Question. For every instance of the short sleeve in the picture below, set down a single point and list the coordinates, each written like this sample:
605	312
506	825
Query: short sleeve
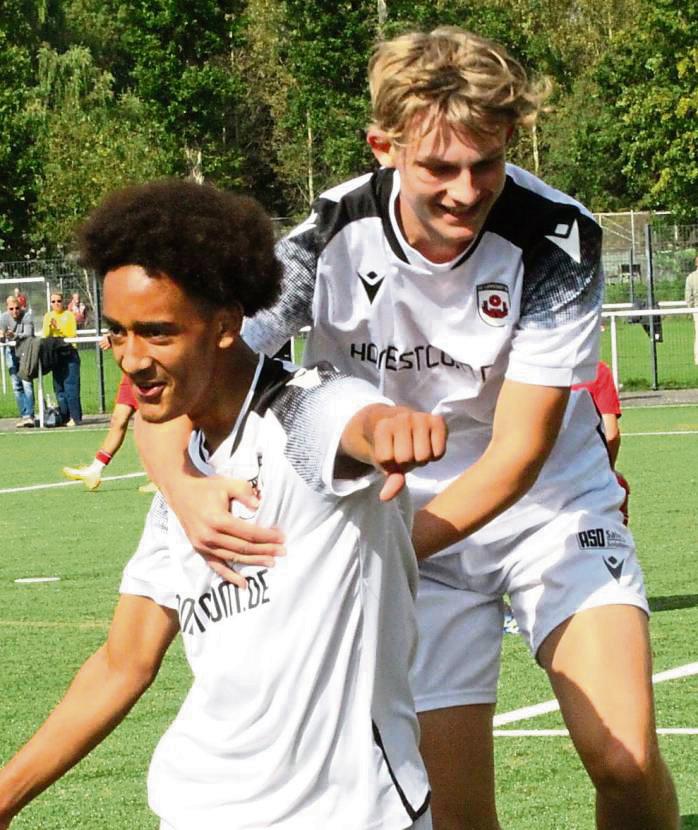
314	409
149	572
270	328
556	341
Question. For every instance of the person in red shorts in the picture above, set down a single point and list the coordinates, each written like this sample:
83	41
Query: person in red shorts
605	396
125	408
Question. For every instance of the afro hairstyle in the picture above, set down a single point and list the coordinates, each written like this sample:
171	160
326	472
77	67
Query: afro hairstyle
217	246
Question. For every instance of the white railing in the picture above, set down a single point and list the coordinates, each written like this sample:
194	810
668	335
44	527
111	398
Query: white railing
613	311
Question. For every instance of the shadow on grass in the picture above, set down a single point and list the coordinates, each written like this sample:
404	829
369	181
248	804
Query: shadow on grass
689	822
673	603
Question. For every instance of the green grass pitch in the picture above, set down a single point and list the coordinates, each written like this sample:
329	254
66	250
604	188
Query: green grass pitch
48	630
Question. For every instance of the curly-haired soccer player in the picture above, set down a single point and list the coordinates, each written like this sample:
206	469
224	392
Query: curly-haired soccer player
300	714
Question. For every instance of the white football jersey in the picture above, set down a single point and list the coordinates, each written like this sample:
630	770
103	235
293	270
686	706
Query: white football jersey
300	714
523	302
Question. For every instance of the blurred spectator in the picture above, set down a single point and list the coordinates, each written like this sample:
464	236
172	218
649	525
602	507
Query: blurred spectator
78	309
15	324
692	302
59	322
21	298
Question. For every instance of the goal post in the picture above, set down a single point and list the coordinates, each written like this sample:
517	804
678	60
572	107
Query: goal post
651	347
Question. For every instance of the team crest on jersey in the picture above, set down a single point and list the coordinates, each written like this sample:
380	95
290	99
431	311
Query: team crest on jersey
493	304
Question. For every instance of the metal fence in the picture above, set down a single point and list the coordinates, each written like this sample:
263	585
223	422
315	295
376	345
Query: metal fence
629	262
59	274
646	259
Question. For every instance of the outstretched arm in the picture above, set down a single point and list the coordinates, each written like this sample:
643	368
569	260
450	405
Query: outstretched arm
98	699
526	424
394	439
202	503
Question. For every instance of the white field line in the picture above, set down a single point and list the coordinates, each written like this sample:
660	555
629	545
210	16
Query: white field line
670	432
32	487
41	624
25	433
553	706
563	733
627	404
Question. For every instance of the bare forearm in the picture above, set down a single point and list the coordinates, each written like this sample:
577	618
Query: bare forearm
526	425
610	424
96	702
163	450
479	495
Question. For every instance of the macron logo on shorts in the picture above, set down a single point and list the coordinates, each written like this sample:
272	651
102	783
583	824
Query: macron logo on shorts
614	565
599	538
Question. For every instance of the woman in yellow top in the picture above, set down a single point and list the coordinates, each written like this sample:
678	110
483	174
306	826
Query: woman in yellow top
59	322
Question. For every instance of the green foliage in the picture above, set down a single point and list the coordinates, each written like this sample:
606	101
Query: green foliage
18	161
319	53
184	69
48	630
651	78
92	142
271	96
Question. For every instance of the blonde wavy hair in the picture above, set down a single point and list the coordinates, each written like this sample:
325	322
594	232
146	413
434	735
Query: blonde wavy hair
471	81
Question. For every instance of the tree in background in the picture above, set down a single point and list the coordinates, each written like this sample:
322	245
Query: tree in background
651	82
91	142
271	96
21	27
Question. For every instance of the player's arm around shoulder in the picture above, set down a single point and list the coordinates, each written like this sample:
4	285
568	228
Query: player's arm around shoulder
98	699
202	503
394	440
526	424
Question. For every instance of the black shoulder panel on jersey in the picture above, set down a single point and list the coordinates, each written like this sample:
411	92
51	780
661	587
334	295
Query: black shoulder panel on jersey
274	376
384	188
561	252
301	412
300	251
372	199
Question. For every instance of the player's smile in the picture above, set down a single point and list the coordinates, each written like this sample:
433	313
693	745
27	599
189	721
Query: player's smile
148	392
449	181
156	329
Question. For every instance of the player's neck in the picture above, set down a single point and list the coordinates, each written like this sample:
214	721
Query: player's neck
228	393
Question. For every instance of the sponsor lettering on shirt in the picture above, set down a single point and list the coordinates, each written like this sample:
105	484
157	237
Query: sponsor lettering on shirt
222	602
419	358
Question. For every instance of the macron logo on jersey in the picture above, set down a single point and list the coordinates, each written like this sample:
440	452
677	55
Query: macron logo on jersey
371	282
566	237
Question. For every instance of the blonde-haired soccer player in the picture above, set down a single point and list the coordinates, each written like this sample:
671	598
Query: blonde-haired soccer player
467	286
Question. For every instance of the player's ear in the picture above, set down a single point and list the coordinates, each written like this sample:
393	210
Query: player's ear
382	146
229	322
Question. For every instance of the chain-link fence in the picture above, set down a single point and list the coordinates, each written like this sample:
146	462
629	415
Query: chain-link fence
37	278
645	268
627	260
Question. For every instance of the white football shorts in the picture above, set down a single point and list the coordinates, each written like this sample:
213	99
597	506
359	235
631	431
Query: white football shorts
580	558
422	823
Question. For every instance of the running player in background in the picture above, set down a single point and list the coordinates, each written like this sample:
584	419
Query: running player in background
125	407
468	287
300	714
605	396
